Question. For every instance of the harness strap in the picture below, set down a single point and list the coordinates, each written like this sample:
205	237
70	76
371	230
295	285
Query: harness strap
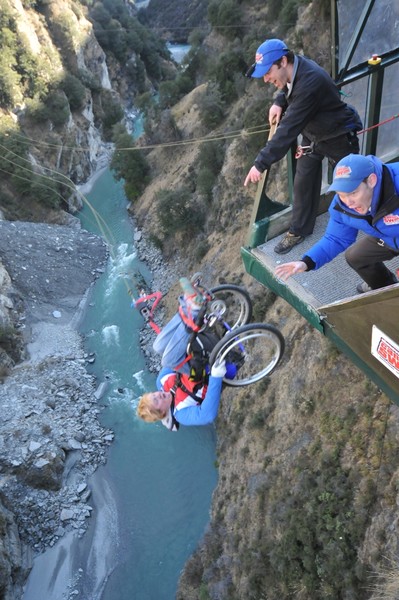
175	423
188	320
183	362
178	384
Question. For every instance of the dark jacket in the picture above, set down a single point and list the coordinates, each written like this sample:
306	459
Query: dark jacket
313	108
382	222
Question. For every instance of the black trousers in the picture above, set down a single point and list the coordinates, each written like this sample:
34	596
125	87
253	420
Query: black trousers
308	176
366	257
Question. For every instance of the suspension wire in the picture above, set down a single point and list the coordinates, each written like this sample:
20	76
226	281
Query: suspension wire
103	226
235	133
101	223
217	137
67	182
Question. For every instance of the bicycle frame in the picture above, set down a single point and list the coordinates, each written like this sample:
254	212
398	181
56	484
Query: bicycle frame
146	304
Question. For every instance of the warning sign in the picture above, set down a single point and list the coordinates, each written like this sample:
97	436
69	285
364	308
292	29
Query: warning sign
385	350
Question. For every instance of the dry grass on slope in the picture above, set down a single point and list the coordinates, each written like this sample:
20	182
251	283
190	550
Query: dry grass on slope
307	480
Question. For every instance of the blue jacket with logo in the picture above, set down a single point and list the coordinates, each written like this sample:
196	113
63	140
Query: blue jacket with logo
382	221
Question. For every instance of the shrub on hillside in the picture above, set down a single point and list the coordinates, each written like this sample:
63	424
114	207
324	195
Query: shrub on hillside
57	107
211	156
211	107
168	94
21	72
205	182
225	70
145	103
110	113
226	17
210	162
135	70
19	175
74	90
178	213
9	85
170	91
89	80
46	191
130	164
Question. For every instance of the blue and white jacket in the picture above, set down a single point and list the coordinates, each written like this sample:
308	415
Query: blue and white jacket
186	410
382	221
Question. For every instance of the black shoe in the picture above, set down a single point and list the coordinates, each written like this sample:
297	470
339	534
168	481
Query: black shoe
363	287
287	243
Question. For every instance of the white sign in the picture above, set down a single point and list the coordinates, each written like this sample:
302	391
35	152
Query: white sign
385	350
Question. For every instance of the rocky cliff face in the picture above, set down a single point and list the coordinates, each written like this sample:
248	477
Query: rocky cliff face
80	149
67	96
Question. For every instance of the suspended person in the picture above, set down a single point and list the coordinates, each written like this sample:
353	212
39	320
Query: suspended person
183	401
367	200
310	104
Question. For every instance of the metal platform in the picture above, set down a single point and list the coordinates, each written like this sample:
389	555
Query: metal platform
334	282
327	298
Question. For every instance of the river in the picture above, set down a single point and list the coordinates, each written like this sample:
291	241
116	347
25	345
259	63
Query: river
152	497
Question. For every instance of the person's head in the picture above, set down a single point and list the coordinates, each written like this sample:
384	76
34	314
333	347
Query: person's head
354	181
274	63
154	406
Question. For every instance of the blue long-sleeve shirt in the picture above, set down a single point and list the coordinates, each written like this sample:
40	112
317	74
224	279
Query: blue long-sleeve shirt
194	413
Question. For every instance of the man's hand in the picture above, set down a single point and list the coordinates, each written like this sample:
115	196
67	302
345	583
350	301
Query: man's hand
287	269
253	176
275	113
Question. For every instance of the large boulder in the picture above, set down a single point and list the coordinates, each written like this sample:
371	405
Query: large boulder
15	558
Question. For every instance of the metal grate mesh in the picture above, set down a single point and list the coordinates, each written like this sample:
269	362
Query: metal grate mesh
334	281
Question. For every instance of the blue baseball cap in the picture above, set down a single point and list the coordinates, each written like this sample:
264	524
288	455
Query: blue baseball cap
350	172
266	55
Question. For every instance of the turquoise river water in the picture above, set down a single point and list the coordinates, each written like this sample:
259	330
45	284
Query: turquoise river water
152	497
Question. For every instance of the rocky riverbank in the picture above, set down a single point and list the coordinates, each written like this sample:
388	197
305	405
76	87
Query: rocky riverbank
51	439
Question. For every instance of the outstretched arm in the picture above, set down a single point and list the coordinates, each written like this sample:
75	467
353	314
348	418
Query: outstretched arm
288	269
205	413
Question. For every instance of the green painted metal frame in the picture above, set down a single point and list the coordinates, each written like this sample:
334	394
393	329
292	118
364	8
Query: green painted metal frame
256	269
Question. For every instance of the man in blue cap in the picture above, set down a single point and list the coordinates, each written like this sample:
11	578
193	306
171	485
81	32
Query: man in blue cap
367	200
311	104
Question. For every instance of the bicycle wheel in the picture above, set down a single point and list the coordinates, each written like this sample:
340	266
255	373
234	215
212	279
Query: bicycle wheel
255	349
233	303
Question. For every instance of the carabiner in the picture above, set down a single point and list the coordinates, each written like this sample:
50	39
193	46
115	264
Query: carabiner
303	150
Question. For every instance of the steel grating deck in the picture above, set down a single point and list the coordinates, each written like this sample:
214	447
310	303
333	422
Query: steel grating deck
334	281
